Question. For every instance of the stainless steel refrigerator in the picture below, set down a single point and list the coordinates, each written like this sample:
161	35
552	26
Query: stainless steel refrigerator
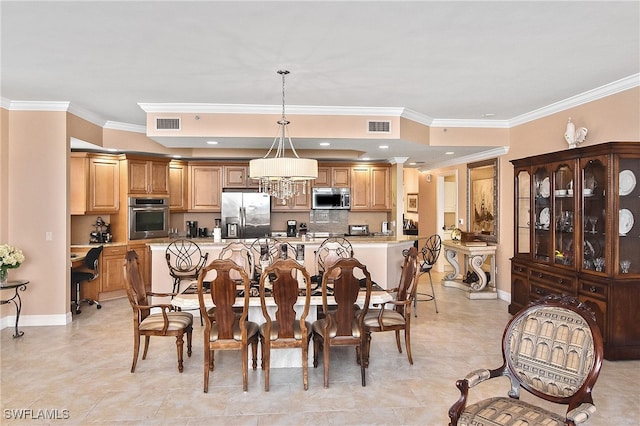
246	215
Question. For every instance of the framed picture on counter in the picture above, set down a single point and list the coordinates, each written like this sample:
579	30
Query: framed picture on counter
412	203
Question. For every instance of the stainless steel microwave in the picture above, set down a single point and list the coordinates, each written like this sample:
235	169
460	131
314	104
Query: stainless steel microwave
331	199
148	218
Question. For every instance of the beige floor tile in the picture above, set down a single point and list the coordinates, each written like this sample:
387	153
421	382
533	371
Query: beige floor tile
84	368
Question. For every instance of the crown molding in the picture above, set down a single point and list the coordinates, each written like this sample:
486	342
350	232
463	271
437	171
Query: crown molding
621	85
589	96
36	105
116	125
208	108
485	155
472	123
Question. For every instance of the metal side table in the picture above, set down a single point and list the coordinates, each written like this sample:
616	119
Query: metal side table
15	285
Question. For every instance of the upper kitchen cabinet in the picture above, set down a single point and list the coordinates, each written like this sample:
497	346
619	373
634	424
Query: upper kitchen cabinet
178	185
237	176
300	202
148	176
370	188
577	232
205	187
94	183
333	177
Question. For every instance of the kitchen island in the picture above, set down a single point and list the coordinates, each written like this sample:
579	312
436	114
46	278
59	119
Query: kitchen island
382	256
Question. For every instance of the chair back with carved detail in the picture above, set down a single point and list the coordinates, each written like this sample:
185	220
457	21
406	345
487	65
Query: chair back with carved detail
552	349
241	255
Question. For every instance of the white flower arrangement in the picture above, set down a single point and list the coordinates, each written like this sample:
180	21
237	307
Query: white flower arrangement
10	257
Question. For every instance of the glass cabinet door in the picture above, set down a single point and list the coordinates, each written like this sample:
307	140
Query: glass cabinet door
594	223
628	220
523	212
542	213
563	215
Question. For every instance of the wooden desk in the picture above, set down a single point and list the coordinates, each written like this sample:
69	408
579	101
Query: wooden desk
475	257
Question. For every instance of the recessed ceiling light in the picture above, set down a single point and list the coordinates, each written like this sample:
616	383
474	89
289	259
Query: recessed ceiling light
325	144
383	146
449	153
412	164
177	156
488	114
366	158
212	142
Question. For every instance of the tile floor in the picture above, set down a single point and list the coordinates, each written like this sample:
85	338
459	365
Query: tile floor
82	371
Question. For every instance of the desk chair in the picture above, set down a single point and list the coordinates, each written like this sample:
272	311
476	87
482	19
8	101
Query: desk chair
91	261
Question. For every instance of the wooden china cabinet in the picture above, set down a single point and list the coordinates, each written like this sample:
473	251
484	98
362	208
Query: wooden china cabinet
577	232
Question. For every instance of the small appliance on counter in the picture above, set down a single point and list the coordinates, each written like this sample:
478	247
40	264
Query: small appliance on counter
292	226
102	234
192	229
358	230
203	232
303	229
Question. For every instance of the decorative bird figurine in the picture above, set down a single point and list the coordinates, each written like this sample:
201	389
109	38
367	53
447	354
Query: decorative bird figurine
573	136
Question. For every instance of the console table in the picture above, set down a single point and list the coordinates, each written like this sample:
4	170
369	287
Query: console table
15	285
474	259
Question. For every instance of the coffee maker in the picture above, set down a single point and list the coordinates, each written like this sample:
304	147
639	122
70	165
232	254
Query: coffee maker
192	229
292	228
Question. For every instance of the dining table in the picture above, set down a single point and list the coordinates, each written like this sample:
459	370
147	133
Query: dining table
187	300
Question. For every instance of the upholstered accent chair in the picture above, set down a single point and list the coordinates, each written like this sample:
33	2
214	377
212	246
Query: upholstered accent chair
552	349
285	328
398	317
164	323
225	329
342	324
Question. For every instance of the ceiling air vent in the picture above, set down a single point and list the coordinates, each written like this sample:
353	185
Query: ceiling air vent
167	124
379	126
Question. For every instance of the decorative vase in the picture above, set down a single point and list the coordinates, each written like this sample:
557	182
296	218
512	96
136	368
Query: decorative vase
4	276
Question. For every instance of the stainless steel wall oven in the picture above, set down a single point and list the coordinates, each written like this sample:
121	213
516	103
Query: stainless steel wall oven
148	218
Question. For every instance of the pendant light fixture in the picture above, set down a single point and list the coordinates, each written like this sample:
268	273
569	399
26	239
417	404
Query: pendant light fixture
279	176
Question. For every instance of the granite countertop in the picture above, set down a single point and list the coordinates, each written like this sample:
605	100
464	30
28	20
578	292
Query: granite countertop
295	240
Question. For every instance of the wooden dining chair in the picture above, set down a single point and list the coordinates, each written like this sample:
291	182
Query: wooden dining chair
167	322
399	317
225	329
342	324
282	329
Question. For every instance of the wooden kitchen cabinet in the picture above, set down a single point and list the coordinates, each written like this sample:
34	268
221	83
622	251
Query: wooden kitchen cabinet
333	177
111	268
370	188
237	176
94	183
301	202
205	189
577	219
148	176
178	186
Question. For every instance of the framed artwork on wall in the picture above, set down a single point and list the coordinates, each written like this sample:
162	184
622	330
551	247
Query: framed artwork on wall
482	203
412	203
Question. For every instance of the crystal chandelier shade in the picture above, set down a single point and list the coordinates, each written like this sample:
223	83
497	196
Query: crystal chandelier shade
279	176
